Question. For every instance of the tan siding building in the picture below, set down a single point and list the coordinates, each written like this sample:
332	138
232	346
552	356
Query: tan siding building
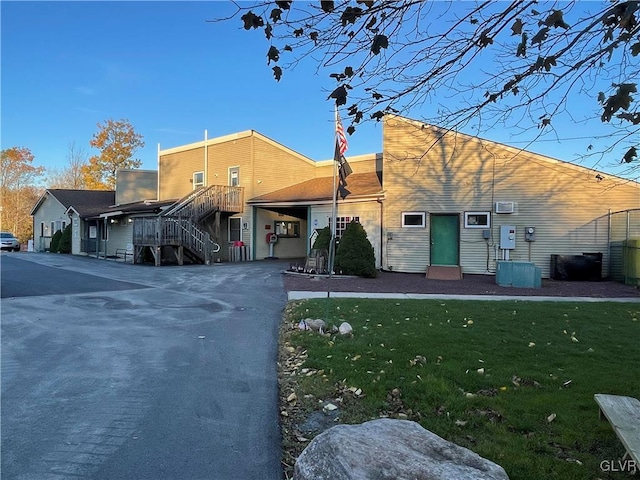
432	197
249	160
448	174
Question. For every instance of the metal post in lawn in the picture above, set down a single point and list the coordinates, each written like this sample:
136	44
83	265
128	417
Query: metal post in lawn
334	212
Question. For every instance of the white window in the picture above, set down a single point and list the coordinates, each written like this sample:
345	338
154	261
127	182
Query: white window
198	180
235	226
234	176
414	219
477	219
341	224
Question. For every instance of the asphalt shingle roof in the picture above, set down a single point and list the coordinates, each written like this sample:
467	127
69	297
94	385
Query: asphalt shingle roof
86	202
321	188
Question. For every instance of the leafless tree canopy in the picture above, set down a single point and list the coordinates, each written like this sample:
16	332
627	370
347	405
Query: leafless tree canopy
71	175
517	64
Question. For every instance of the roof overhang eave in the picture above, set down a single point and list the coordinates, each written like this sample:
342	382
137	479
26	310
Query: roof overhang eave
319	201
111	214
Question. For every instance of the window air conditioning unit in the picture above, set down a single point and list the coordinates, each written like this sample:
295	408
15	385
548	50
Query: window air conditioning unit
504	207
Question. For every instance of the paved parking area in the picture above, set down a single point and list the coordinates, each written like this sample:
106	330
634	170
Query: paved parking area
111	370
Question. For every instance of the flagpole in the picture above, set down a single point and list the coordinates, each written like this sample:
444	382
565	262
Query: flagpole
334	209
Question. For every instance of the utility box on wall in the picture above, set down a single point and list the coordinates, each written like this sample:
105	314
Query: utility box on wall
529	234
507	237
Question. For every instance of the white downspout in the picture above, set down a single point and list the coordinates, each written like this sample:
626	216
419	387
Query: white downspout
206	158
158	175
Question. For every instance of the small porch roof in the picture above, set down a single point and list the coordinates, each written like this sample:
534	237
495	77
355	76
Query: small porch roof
320	190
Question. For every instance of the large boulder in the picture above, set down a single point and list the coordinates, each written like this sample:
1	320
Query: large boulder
389	449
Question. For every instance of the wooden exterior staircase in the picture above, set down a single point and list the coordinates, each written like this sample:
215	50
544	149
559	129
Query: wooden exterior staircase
180	230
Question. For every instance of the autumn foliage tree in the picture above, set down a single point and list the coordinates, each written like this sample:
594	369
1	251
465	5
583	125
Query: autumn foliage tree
17	191
520	65
117	142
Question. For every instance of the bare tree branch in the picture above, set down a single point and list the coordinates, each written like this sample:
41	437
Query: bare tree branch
520	64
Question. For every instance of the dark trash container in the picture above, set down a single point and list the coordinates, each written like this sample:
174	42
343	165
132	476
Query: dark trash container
585	267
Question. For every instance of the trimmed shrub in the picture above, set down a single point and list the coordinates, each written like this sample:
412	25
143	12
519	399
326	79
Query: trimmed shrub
55	241
355	255
64	246
323	239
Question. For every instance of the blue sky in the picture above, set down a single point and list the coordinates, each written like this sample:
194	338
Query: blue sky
68	65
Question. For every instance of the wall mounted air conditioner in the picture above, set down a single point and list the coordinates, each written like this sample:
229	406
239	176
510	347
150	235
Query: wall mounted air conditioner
505	207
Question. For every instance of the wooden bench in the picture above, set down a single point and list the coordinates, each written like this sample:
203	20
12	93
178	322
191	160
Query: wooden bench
623	413
124	252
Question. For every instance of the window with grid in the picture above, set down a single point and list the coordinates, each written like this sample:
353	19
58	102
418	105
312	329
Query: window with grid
341	224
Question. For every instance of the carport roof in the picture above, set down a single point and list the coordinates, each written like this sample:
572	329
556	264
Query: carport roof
321	189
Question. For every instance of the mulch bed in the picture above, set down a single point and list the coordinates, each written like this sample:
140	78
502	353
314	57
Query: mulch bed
394	282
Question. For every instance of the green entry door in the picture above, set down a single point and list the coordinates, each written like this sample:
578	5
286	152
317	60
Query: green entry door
445	242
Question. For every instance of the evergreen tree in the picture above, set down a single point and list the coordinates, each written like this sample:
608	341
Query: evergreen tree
355	255
55	241
64	246
323	240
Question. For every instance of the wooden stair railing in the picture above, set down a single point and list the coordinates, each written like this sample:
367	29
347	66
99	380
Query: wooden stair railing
204	201
178	226
174	231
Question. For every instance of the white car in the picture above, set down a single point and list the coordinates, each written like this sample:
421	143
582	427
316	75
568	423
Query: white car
9	242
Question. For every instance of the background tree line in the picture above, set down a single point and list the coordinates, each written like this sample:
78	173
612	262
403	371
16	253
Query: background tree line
22	182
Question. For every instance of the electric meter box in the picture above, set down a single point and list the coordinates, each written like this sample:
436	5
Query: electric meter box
530	234
507	237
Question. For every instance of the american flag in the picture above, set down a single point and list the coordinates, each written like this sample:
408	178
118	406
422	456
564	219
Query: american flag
344	169
342	139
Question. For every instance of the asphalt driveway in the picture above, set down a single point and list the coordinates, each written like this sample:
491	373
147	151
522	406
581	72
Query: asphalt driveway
137	372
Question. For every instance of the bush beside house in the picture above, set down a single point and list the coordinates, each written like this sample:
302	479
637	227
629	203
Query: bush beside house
61	241
55	241
65	240
355	254
323	239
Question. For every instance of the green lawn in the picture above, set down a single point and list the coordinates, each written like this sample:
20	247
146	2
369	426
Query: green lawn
512	381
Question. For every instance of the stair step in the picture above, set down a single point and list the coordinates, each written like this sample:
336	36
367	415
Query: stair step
444	272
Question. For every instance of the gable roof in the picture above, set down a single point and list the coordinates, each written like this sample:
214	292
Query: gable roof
321	189
513	152
84	202
232	137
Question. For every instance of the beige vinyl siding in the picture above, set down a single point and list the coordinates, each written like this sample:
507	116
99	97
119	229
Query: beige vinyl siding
51	210
264	165
120	235
369	213
136	186
276	168
566	204
176	172
406	250
294	248
222	156
359	164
